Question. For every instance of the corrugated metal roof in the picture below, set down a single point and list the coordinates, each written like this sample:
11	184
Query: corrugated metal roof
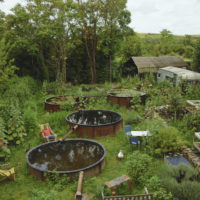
183	73
152	64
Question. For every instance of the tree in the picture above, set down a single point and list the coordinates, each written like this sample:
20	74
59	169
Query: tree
131	47
166	41
7	69
89	20
196	57
56	22
116	18
39	27
2	23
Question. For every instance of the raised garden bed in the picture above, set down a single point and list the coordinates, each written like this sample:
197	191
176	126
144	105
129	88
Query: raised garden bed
53	104
123	97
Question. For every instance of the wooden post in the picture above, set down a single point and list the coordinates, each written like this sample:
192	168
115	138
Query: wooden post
78	195
68	133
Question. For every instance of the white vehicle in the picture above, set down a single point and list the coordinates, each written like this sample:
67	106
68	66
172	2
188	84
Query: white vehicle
177	75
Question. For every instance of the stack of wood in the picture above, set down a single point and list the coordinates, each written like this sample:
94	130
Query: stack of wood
192	157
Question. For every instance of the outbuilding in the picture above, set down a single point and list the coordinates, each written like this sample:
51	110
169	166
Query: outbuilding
141	65
176	75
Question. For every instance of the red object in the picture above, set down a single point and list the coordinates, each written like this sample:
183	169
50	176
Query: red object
47	132
1	143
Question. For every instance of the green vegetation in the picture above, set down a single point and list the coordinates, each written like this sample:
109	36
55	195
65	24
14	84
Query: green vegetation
25	118
182	181
56	48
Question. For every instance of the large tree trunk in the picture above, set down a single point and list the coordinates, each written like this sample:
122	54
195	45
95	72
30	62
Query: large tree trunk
64	57
94	45
110	52
94	64
110	62
57	71
45	70
91	58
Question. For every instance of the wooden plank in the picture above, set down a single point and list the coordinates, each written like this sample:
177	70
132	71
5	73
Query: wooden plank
79	187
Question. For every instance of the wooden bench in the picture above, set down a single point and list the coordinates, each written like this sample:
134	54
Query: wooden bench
115	182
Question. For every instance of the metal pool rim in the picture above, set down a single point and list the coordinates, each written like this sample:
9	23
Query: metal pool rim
88	125
66	172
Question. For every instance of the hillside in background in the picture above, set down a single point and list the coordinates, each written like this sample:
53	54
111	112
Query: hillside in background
158	35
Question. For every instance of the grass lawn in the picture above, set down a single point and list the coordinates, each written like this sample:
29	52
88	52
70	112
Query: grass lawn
27	187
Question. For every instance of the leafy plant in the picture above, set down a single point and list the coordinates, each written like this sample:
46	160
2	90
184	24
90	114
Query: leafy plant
20	90
15	127
193	120
4	150
30	121
181	181
57	182
139	167
133	118
177	104
57	119
161	194
49	194
53	88
165	141
154	183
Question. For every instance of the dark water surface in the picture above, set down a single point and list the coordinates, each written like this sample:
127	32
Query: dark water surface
66	156
93	117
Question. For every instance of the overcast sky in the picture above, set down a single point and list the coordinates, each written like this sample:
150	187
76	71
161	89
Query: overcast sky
151	16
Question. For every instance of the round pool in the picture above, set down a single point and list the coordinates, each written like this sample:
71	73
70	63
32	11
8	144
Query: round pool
66	157
53	104
124	97
95	123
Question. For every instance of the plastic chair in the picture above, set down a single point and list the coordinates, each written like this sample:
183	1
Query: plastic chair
134	140
10	174
128	130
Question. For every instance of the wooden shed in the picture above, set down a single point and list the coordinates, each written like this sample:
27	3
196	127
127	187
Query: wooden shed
141	65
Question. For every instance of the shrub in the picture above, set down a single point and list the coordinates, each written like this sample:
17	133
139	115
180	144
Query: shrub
20	90
154	125
165	141
68	104
181	181
53	88
162	194
177	104
139	167
193	121
4	150
15	126
51	194
57	182
30	121
133	118
57	119
154	183
192	91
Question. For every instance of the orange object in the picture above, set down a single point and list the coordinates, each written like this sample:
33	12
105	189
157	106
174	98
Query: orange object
47	133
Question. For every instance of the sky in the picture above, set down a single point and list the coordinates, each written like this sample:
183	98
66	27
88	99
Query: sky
181	17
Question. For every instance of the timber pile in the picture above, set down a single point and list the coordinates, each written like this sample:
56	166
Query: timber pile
192	157
163	111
